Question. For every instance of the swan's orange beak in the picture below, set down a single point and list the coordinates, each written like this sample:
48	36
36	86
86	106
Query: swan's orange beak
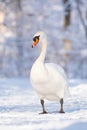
35	42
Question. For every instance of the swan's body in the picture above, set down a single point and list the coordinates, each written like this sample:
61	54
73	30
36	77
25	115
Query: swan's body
48	79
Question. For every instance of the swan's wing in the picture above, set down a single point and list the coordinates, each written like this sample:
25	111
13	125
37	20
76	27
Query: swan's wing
61	71
58	68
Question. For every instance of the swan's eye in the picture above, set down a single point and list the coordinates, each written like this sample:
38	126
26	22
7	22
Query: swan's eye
35	40
36	37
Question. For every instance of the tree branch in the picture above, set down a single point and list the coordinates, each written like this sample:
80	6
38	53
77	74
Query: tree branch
82	20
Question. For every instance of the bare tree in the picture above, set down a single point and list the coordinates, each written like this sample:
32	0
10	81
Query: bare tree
67	18
83	20
66	40
67	11
19	35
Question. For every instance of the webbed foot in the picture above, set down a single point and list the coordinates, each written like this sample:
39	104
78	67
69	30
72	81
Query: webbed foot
44	112
61	111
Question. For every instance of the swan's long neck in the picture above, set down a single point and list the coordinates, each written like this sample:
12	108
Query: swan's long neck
43	43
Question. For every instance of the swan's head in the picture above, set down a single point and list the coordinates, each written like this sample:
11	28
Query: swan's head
38	37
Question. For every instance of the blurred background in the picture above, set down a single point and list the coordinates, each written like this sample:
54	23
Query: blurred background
64	22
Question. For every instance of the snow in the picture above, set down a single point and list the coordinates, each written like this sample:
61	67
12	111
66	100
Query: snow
20	107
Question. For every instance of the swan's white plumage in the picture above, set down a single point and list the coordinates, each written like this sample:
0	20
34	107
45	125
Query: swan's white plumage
48	79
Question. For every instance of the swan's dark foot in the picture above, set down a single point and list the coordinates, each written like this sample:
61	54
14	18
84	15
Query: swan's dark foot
61	108
44	112
61	111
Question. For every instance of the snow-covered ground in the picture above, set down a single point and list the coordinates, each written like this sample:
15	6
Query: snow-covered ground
20	107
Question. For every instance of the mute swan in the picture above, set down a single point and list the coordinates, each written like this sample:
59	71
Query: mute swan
48	79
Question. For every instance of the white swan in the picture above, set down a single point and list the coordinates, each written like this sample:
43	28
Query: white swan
48	79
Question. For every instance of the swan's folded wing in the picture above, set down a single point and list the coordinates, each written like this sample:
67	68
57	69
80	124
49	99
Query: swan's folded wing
60	70
57	68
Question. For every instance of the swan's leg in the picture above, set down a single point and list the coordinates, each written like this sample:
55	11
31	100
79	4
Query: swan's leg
42	103
61	106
